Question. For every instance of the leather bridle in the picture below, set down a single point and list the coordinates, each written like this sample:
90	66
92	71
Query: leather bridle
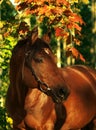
42	86
27	61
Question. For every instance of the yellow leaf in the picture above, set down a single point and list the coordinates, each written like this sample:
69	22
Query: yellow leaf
73	1
16	1
1	24
85	1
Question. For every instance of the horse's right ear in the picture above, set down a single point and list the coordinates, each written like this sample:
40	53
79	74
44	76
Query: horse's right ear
34	35
47	37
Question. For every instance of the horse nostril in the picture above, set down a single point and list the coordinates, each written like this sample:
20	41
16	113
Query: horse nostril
63	93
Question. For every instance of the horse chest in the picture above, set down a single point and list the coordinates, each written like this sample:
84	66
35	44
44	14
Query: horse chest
36	104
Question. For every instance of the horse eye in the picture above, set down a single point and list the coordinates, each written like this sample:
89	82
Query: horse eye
39	60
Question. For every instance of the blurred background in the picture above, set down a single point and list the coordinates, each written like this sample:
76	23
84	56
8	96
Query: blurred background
15	25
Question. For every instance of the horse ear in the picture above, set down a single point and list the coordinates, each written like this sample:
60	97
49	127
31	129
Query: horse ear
47	37
34	35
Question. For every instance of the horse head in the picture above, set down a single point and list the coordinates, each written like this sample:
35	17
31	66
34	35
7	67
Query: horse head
38	68
40	62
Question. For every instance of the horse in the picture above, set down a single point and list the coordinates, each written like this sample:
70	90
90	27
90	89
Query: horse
79	110
42	96
36	84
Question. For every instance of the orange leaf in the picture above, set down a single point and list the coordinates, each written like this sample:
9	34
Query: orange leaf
77	27
23	31
60	32
76	53
28	11
70	25
77	18
64	2
82	58
57	10
29	1
17	1
43	10
77	41
6	34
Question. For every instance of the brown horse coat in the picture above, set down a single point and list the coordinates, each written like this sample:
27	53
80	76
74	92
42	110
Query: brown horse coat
35	82
80	105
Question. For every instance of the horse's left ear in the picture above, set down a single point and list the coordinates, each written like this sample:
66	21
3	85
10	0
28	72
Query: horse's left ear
47	37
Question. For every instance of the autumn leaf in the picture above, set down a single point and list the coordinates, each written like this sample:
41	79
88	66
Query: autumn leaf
56	10
63	2
85	1
76	26
75	53
22	6
6	34
77	42
76	18
60	32
70	25
17	1
67	12
28	11
29	1
81	57
44	10
23	28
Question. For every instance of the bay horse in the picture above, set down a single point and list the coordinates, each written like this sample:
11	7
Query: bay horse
35	97
36	84
79	110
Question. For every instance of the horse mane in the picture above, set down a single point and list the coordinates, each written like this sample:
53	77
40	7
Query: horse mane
16	64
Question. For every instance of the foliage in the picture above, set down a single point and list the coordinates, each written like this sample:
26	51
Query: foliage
61	18
5	121
87	44
7	41
58	16
5	54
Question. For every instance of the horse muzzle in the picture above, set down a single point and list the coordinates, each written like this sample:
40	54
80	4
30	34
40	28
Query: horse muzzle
58	94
